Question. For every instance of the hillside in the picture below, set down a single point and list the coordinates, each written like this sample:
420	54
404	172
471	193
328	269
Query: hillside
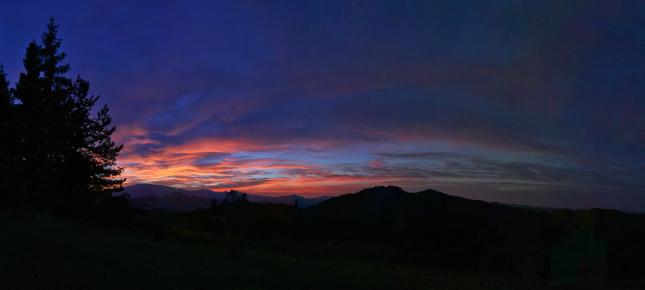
381	237
173	201
152	196
142	190
80	256
433	229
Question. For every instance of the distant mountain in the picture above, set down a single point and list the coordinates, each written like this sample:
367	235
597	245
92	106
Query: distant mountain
392	200
303	202
174	201
412	207
430	228
153	196
426	220
141	190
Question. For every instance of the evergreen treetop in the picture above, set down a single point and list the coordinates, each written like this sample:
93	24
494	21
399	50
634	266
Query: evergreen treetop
66	157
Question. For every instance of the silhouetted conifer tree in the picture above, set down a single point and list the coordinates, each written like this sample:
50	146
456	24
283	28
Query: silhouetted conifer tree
234	196
67	157
7	145
6	99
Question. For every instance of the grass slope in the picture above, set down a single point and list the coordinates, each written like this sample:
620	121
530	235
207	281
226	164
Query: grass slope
41	252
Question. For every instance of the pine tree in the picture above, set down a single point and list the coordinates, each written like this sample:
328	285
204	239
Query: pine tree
28	87
67	156
41	90
103	152
6	99
6	147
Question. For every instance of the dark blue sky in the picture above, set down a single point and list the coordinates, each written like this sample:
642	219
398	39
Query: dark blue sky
538	102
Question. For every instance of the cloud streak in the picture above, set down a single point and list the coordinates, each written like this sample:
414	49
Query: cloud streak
522	102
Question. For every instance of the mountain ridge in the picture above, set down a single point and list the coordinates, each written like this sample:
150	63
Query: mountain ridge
155	196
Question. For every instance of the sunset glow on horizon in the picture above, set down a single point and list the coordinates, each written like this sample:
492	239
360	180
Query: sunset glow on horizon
532	103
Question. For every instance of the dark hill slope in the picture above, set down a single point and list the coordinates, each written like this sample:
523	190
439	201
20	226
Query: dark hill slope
154	196
393	210
174	201
432	225
143	190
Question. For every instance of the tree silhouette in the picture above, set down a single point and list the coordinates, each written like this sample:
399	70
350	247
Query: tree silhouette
6	99
235	197
66	157
6	115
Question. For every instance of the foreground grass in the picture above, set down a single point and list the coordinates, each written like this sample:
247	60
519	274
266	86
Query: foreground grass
41	252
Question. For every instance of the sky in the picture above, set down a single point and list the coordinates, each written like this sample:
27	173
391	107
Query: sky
528	102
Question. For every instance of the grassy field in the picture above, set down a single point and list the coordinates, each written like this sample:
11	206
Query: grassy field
41	252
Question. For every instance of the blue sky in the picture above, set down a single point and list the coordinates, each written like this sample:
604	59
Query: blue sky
537	102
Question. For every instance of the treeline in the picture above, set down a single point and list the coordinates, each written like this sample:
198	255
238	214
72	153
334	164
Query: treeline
426	229
57	152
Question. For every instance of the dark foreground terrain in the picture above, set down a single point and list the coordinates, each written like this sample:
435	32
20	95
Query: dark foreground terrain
41	252
379	238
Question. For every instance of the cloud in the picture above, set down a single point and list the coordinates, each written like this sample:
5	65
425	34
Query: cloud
540	97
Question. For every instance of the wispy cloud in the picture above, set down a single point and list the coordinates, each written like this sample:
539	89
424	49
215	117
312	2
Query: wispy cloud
526	100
